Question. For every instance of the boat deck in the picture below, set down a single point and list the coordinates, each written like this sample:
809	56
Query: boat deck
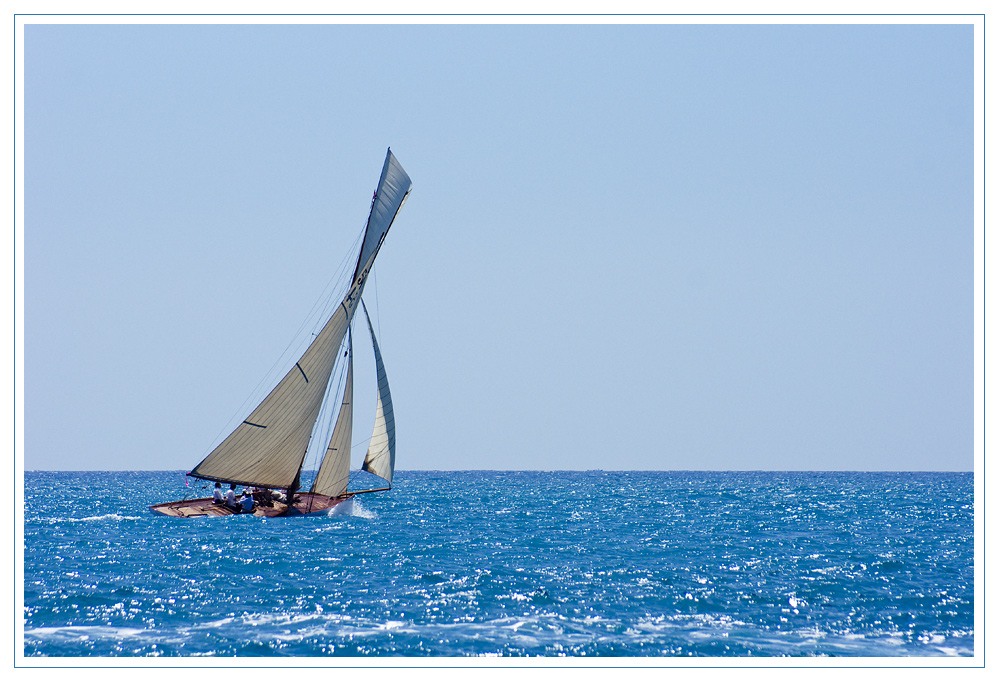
305	504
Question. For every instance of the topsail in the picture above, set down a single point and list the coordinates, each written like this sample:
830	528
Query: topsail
393	189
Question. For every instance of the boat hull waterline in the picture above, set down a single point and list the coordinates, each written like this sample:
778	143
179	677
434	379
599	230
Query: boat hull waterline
305	504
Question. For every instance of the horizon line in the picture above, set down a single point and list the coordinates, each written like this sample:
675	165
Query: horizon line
965	471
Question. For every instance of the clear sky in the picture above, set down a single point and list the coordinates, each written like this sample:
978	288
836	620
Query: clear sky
627	247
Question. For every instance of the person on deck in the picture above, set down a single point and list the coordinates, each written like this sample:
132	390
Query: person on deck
218	497
247	501
262	497
231	497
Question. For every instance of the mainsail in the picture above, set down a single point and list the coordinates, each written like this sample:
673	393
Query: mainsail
381	457
268	448
331	480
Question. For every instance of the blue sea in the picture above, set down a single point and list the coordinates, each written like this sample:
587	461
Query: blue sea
511	564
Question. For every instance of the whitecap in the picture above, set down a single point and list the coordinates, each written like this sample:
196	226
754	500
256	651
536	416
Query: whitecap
86	632
98	518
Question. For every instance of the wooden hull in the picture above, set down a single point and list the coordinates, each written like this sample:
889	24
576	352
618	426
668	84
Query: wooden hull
305	504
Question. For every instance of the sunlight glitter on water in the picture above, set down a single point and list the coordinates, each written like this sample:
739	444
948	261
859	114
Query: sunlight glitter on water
514	564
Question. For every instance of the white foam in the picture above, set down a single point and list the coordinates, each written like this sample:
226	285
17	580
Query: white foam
351	508
113	516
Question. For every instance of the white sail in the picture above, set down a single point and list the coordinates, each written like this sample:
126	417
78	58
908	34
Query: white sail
381	457
268	447
393	188
331	480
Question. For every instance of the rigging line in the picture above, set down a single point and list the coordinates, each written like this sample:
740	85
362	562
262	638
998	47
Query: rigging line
340	276
318	313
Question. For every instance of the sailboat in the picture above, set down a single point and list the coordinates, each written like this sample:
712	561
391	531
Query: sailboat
267	450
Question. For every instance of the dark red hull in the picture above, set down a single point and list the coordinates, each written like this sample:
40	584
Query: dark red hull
305	504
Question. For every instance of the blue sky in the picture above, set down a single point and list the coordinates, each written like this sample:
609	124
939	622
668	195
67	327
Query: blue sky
627	247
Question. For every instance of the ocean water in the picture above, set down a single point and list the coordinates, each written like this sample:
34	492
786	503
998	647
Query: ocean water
457	564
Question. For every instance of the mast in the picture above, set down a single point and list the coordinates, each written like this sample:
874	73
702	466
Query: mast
268	448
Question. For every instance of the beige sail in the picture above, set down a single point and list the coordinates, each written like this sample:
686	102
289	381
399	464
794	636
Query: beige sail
381	457
331	480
